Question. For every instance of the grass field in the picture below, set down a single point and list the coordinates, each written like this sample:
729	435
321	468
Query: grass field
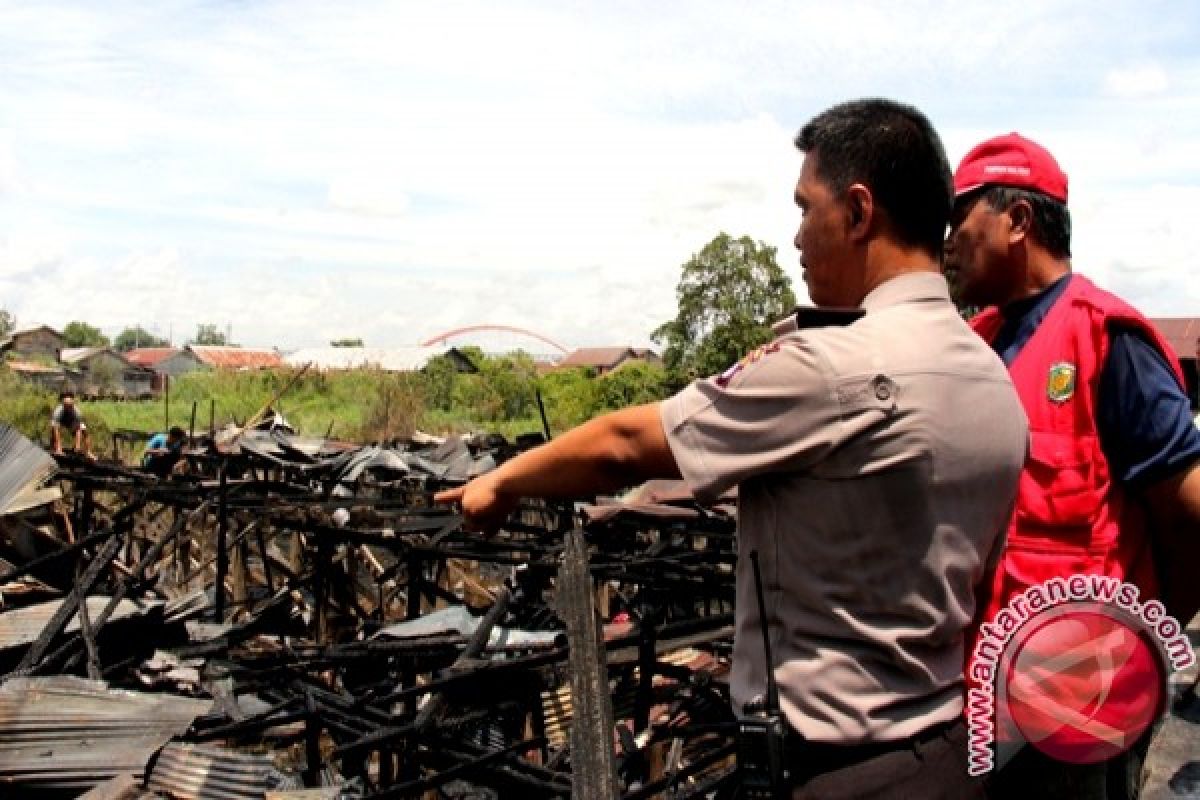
364	405
356	405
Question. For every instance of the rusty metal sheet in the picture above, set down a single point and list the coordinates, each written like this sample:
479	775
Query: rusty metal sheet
71	733
236	357
205	772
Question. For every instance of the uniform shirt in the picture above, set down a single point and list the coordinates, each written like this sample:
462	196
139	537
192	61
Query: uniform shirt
1143	417
877	465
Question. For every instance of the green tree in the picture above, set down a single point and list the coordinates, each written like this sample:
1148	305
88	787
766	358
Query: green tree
132	338
570	397
346	343
104	376
631	384
79	334
8	323
441	375
503	389
728	295
208	334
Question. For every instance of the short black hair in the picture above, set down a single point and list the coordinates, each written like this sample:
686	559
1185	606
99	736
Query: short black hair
1051	219
65	393
895	152
177	432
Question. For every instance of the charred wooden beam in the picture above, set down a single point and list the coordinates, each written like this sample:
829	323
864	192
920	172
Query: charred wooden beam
593	773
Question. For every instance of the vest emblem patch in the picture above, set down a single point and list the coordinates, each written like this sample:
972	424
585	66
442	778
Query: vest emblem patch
1061	383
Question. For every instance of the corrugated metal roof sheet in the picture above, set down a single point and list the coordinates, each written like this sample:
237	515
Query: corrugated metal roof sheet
30	367
73	355
32	329
21	626
149	356
71	733
391	359
205	772
1182	332
235	357
597	357
23	465
25	331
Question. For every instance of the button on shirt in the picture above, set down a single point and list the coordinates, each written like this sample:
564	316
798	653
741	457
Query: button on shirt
877	464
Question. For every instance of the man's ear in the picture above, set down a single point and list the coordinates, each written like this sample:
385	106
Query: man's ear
860	211
1020	215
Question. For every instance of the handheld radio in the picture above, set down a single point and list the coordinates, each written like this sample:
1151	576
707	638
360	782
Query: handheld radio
762	729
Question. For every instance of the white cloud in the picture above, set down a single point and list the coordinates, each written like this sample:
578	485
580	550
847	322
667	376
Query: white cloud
303	172
1133	82
370	194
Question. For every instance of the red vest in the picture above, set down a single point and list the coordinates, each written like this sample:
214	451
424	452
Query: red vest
1071	517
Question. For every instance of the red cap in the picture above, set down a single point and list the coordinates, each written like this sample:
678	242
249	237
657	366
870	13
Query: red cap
1011	160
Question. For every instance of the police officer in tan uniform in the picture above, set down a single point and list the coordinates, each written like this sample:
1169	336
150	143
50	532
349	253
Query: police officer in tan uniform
876	464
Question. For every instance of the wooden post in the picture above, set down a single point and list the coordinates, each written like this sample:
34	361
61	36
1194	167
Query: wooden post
414	567
222	543
266	560
237	573
312	742
295	553
85	628
593	768
320	591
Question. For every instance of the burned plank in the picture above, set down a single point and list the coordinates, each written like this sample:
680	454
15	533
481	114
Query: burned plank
593	775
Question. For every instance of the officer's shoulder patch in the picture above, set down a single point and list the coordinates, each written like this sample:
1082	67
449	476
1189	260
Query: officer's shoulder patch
753	357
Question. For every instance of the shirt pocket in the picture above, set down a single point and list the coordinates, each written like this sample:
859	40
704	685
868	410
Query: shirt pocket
1062	487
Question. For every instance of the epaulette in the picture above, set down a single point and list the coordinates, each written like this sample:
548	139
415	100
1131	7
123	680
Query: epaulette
805	317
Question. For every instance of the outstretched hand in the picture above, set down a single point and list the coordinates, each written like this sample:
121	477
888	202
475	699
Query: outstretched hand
483	508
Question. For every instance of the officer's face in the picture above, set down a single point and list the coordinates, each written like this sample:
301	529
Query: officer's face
977	252
825	252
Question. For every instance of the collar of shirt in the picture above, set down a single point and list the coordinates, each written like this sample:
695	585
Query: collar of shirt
906	288
1022	317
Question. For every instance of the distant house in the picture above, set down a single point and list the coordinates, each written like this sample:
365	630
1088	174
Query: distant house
54	378
606	359
237	358
165	362
388	359
103	372
1183	334
31	343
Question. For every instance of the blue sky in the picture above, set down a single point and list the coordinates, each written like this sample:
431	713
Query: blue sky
308	171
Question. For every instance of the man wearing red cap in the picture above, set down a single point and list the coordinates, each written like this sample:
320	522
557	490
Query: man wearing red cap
1114	466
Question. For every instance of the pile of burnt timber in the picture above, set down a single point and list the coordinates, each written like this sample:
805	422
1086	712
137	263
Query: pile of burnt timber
294	618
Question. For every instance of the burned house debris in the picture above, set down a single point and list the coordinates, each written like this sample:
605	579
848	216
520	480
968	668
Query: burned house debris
293	618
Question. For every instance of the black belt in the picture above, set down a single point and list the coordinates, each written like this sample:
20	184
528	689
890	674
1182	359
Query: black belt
808	759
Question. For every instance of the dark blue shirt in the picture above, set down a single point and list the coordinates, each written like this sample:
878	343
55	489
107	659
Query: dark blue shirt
1143	416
